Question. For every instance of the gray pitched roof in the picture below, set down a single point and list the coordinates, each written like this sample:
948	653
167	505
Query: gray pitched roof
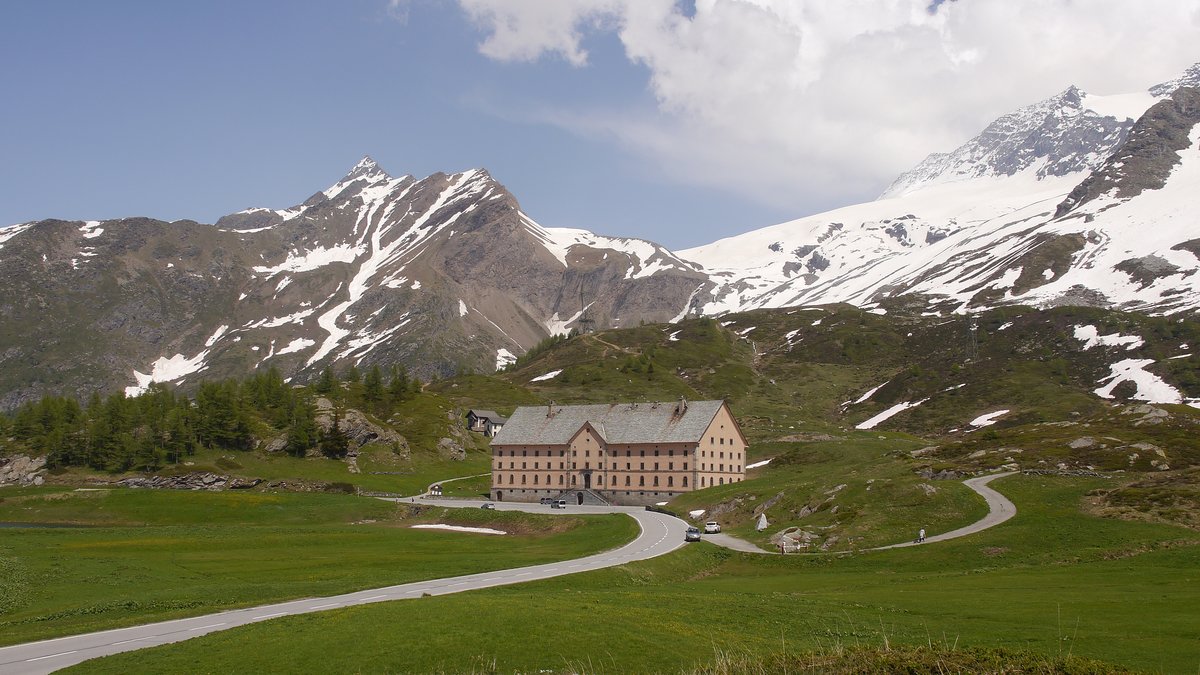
491	415
617	423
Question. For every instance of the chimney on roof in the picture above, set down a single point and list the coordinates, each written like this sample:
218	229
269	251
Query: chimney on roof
550	409
681	407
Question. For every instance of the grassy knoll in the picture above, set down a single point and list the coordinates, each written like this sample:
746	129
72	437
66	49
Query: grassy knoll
154	555
475	487
1053	582
849	492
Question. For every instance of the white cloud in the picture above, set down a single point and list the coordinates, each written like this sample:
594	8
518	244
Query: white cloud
524	30
796	102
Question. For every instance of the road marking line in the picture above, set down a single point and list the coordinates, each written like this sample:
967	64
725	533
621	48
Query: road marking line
50	656
373	597
268	616
212	625
332	604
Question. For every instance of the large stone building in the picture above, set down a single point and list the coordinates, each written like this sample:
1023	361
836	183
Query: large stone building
624	453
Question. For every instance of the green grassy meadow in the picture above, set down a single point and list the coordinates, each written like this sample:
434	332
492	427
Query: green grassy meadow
148	555
1091	568
1052	582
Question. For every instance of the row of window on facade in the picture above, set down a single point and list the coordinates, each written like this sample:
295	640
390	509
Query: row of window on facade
616	453
734	468
704	482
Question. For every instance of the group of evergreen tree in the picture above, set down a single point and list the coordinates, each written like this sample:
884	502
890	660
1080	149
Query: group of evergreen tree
161	426
369	392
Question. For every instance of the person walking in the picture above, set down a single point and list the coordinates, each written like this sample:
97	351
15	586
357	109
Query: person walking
921	536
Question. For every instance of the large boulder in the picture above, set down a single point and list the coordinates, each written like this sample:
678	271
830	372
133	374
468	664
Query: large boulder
21	470
358	429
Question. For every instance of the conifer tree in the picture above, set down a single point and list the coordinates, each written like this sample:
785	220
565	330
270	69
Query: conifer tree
302	432
334	443
373	389
326	383
398	387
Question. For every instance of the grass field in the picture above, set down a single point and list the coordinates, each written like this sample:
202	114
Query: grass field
153	555
1052	582
380	469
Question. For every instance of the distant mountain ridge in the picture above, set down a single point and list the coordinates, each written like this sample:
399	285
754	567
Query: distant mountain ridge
437	274
1077	199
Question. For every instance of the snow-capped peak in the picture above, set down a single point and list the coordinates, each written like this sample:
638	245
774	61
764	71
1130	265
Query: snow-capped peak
1072	132
1189	78
366	168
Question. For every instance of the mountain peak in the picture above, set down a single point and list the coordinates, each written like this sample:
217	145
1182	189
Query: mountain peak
1189	78
366	168
1053	137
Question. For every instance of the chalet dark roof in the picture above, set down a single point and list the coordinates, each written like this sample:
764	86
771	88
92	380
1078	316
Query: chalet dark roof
617	423
490	415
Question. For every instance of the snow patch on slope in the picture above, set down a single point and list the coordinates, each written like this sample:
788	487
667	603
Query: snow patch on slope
314	259
296	345
91	229
12	231
174	368
504	358
1091	337
459	528
888	414
1150	387
988	419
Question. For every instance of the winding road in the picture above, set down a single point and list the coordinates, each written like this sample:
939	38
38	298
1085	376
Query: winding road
660	534
1000	509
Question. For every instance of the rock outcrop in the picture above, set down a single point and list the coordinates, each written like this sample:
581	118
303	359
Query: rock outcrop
22	470
190	481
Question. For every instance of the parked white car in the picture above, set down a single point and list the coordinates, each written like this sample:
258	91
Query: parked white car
712	527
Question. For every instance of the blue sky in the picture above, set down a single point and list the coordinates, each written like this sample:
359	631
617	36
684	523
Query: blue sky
672	121
194	110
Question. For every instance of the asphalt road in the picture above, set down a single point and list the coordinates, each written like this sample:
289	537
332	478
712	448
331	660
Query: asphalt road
1000	509
660	534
